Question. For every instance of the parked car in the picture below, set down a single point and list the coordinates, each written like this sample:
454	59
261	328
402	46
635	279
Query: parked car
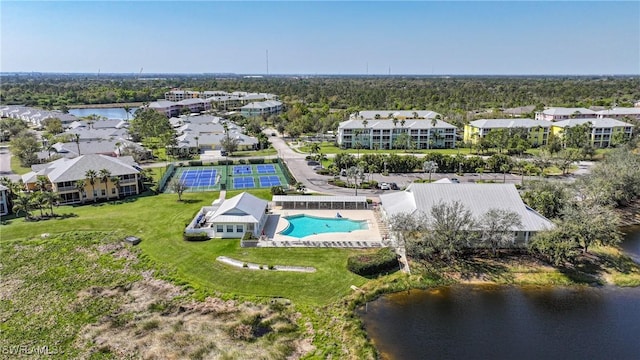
343	172
394	186
317	167
455	180
312	163
384	186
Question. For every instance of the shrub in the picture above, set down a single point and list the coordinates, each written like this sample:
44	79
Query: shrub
278	190
245	265
247	235
242	161
256	161
274	161
195	163
375	263
323	171
225	162
195	236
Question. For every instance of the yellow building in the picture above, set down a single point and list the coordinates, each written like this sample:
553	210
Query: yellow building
603	130
537	131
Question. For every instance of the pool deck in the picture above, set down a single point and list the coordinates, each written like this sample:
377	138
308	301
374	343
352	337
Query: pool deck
365	238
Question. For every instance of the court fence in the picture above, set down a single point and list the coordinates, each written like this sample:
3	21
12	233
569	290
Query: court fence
170	170
287	173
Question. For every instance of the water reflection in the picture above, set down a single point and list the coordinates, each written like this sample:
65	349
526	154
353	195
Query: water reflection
490	322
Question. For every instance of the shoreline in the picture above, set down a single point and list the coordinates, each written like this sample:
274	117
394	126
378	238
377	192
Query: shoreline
104	106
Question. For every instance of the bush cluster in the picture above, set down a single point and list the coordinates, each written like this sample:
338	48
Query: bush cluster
256	161
381	261
195	237
195	163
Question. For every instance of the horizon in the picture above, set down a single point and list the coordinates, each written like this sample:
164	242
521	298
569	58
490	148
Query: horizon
423	38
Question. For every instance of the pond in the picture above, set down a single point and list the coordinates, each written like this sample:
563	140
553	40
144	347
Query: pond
503	322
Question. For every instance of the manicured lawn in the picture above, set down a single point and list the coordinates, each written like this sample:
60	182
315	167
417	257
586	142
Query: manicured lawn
17	168
159	220
265	152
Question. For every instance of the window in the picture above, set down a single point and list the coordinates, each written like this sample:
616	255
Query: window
104	192
229	228
219	228
239	228
113	191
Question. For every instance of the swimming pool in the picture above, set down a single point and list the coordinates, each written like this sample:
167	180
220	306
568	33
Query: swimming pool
305	225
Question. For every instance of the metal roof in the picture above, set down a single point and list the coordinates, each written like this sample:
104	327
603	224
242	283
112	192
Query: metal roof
75	169
477	198
388	124
596	123
509	123
309	198
242	208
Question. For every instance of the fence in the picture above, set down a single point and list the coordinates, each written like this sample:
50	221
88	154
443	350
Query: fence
167	175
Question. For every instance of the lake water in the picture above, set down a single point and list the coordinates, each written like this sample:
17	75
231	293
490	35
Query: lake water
109	113
502	322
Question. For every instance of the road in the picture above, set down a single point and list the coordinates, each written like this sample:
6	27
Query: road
5	164
318	183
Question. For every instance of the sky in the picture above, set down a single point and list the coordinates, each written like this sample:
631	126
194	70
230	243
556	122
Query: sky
323	37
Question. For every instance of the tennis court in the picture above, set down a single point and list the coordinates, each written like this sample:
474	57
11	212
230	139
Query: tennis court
269	181
266	169
243	182
242	170
232	177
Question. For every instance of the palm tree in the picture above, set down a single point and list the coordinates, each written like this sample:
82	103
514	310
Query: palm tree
42	183
77	140
50	198
23	202
115	180
395	124
415	114
126	110
365	122
430	167
196	138
92	175
504	168
118	145
104	176
80	184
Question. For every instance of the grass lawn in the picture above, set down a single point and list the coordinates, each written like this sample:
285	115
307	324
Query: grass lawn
159	220
17	168
265	152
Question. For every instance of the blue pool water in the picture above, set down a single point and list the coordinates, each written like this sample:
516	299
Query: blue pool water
305	225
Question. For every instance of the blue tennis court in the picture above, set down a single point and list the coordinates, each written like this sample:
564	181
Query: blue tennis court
244	182
198	178
268	181
266	169
242	170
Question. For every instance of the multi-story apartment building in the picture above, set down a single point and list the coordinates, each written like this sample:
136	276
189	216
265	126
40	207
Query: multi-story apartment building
603	130
537	131
389	134
64	174
261	108
562	113
620	113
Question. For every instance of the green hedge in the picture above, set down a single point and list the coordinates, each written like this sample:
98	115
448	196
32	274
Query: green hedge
383	260
256	161
225	162
195	163
195	237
